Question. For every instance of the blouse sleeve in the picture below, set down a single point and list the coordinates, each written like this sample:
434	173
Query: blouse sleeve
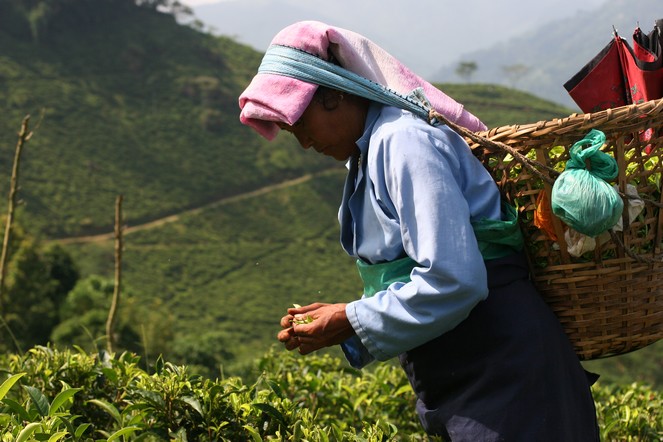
422	177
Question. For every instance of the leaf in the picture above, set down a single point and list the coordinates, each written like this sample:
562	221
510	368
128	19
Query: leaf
26	432
146	436
17	409
359	400
109	408
276	388
38	399
153	398
403	389
61	399
159	365
57	436
122	432
78	434
8	384
67	423
254	433
324	436
193	403
269	409
110	374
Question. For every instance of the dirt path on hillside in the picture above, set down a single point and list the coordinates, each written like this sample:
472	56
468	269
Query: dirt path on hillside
128	229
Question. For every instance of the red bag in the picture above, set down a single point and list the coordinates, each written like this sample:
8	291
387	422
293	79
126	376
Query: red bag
620	74
599	84
641	47
643	70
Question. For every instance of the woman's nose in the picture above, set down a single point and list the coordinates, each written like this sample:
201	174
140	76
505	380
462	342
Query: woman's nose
305	141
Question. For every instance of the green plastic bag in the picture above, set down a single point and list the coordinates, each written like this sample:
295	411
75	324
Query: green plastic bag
582	198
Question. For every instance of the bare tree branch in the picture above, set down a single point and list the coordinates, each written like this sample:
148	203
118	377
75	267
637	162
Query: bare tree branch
110	323
23	137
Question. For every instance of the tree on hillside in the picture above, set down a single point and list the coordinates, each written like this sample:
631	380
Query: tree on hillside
38	280
39	17
84	313
62	270
172	6
515	73
206	354
141	328
466	69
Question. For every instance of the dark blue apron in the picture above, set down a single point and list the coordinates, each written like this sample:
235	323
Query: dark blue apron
506	373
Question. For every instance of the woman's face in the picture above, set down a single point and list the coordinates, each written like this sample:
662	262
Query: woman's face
331	124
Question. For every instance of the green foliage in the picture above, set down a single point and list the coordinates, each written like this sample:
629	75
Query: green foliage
38	278
82	396
629	413
338	394
84	312
65	395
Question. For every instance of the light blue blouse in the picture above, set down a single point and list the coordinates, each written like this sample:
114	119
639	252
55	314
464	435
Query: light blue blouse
416	192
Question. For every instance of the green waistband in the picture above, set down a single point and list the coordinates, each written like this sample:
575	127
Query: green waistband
496	239
499	238
378	277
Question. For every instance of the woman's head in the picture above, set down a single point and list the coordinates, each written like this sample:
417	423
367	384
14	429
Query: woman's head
275	97
331	124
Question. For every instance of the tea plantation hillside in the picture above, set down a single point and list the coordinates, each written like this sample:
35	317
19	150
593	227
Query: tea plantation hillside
133	103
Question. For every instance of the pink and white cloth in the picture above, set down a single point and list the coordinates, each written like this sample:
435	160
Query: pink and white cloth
272	98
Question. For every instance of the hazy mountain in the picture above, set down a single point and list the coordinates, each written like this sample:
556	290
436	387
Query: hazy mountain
553	39
555	51
424	34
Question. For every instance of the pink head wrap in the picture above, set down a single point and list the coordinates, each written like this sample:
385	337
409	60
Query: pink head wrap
272	98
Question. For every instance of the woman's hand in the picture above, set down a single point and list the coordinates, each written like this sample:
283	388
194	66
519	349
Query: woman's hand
328	325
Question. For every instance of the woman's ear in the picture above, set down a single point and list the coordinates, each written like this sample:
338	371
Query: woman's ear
331	99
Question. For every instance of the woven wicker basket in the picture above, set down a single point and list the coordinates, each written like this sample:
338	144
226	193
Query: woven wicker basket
609	301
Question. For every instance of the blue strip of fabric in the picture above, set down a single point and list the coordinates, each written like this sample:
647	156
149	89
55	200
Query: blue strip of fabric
295	63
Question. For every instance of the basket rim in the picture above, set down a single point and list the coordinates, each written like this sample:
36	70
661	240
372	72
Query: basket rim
639	114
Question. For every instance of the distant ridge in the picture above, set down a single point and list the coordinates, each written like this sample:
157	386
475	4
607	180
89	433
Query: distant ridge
555	51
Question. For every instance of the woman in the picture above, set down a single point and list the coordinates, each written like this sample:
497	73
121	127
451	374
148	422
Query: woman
446	286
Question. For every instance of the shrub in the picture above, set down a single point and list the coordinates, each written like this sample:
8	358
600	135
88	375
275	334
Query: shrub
48	394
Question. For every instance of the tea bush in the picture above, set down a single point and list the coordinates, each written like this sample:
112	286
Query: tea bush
64	395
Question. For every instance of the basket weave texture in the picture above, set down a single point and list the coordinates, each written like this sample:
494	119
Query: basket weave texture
610	300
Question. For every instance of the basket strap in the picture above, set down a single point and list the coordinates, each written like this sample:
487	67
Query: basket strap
532	165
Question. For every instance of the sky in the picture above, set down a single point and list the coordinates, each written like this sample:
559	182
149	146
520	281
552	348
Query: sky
421	33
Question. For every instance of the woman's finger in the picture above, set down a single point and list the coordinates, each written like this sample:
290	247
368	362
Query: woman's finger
306	348
286	321
285	335
293	343
304	309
